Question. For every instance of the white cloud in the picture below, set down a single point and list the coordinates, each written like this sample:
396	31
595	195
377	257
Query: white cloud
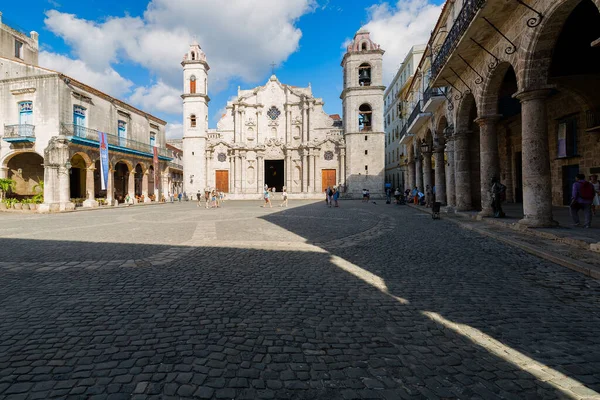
160	97
106	80
397	28
240	39
174	130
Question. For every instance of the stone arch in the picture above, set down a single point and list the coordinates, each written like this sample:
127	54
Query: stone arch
80	162
86	158
491	88
463	113
541	41
129	164
440	126
26	168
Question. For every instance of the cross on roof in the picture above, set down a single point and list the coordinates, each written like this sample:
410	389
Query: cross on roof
273	65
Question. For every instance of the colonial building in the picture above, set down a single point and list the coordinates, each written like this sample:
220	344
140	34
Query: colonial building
278	135
175	171
51	124
396	116
512	93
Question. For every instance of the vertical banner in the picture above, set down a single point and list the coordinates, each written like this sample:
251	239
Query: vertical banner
103	159
156	172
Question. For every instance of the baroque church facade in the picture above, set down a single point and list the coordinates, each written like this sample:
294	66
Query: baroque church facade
277	135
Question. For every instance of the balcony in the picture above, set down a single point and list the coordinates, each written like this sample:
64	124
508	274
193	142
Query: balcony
81	135
22	133
461	24
174	165
417	119
592	118
405	137
432	98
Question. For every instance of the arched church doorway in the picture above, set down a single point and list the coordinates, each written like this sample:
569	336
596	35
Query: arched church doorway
274	174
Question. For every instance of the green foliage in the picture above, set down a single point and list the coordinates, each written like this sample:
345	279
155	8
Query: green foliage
39	196
10	202
6	185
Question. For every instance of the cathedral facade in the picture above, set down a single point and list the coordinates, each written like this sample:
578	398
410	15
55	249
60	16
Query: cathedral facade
277	135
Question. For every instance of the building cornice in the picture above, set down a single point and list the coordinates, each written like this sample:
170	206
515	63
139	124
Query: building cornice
192	95
190	62
359	53
361	88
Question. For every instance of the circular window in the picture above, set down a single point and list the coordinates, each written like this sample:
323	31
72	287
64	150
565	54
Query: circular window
328	155
273	113
193	78
222	157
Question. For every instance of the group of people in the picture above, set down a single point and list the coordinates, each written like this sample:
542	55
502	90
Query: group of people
417	197
212	198
584	196
332	195
270	193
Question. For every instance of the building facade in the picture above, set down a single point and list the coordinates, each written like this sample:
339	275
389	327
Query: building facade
277	135
175	171
51	124
395	118
510	92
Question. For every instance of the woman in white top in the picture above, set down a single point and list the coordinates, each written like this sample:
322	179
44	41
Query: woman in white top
284	203
596	202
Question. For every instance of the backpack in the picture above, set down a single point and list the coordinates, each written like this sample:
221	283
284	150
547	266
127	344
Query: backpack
586	191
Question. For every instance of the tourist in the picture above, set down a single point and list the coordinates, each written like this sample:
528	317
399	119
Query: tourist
336	196
329	196
207	198
415	195
198	198
368	195
397	195
179	196
364	192
267	197
388	195
284	203
221	197
127	199
326	196
498	194
428	196
594	181
582	197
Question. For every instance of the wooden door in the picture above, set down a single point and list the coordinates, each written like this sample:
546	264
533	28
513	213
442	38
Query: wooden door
327	178
222	181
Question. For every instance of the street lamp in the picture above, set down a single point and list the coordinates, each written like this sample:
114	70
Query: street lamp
425	148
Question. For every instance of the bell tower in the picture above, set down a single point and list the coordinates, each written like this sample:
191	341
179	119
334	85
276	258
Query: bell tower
195	118
362	100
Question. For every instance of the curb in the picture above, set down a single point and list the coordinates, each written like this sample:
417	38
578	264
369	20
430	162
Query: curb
578	266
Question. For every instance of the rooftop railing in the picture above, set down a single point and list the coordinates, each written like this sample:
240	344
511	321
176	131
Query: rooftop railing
462	22
114	142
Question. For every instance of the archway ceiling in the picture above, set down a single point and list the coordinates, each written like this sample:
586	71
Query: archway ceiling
483	33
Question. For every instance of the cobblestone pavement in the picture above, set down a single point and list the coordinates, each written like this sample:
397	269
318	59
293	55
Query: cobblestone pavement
364	301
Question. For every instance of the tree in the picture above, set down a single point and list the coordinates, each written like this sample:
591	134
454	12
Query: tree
6	185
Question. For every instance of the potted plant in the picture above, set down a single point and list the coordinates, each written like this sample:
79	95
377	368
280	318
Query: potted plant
25	204
17	205
6	185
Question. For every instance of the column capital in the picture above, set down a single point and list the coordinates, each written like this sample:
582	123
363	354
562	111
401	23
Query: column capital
439	148
491	119
534	94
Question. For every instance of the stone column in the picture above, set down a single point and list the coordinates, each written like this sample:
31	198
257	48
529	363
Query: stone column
288	171
490	160
450	177
3	172
537	181
89	188
260	175
144	187
304	172
419	173
236	176
231	173
427	170
304	122
313	172
411	174
310	123
440	175
288	121
110	187
242	160
131	184
342	177
462	172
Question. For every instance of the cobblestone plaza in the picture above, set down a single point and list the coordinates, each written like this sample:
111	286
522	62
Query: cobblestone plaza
363	301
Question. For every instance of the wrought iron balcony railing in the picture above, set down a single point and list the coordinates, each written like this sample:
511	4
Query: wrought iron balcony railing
114	142
592	118
19	131
462	22
416	111
432	92
175	165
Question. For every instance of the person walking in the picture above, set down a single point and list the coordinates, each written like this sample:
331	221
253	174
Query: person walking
397	195
415	194
498	194
284	197
594	181
582	197
179	196
267	197
336	196
198	198
329	196
388	195
428	196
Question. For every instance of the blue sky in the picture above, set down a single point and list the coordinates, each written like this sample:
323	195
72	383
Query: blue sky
132	49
